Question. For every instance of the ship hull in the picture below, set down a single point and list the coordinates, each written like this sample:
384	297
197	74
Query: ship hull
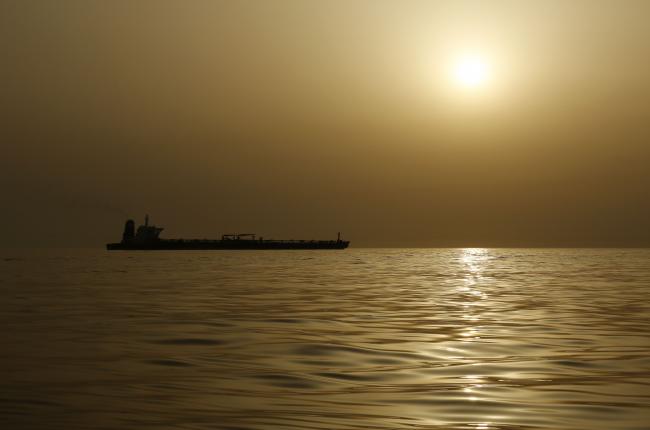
189	245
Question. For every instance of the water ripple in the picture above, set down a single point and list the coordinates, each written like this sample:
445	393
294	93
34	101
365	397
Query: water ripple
476	339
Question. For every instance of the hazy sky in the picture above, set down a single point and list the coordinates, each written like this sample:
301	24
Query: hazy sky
297	119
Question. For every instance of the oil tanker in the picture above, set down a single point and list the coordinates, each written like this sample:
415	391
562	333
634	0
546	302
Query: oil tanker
147	238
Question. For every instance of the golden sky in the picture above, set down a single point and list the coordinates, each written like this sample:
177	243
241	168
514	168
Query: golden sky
297	119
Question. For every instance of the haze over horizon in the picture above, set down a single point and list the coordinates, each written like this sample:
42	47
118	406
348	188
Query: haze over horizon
298	119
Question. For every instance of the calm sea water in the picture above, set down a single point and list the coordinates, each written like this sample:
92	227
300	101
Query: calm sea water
355	339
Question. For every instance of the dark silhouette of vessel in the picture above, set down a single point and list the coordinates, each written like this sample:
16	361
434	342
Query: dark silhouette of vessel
147	238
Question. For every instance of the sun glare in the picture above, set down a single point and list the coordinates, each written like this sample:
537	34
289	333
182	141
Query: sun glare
471	71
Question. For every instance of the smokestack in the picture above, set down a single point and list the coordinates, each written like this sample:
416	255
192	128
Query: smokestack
129	231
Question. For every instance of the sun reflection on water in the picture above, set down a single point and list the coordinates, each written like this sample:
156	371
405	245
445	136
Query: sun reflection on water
474	260
473	267
473	276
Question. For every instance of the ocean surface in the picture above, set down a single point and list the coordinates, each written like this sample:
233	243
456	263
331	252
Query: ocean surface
356	339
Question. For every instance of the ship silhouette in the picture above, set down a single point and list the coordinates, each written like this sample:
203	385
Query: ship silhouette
147	237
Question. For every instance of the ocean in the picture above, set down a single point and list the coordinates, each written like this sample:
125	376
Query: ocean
356	339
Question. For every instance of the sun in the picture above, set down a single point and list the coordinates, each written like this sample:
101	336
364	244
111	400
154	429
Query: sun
471	71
